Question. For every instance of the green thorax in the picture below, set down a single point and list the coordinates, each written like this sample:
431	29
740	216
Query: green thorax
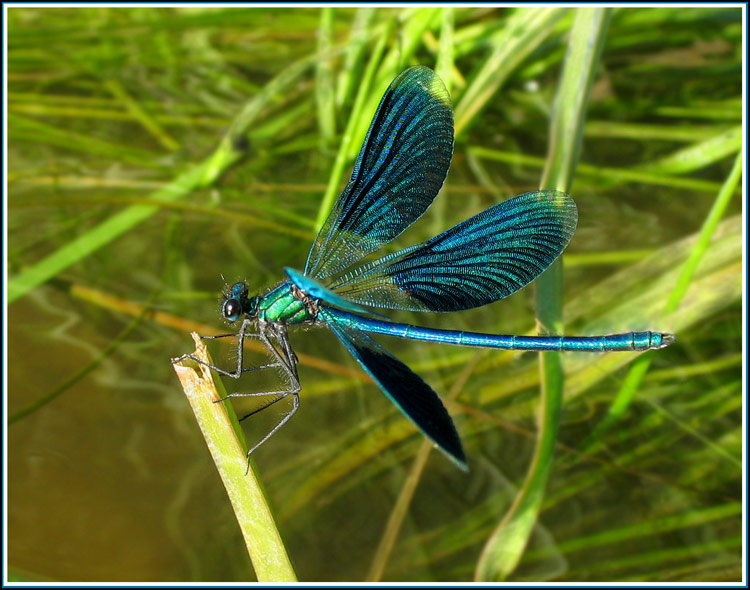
280	305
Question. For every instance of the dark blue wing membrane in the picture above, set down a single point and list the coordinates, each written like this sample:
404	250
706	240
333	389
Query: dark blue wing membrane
481	260
403	386
399	171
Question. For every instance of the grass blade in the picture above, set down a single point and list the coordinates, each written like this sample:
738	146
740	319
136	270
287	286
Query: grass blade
219	426
634	377
523	33
204	174
507	543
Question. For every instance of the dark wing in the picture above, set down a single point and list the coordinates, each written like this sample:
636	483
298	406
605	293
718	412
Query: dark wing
399	171
403	386
481	260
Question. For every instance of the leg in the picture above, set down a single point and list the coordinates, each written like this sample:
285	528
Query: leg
274	336
284	420
279	396
241	335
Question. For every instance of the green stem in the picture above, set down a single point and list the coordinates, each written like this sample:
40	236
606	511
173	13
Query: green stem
220	428
637	372
507	544
342	157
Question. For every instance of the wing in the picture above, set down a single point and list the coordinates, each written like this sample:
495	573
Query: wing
404	387
399	171
481	260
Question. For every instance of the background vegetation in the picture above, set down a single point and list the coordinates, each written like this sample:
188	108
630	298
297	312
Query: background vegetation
154	153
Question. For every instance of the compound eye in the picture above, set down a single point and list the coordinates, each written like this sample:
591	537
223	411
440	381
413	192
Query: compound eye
231	310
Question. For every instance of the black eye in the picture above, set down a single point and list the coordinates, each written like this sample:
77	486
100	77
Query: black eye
231	310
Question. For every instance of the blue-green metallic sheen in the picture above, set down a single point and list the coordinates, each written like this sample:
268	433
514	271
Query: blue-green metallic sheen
399	171
280	305
630	341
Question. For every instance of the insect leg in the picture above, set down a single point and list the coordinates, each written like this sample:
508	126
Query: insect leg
241	335
274	336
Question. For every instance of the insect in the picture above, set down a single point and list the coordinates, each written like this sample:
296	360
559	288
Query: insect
399	171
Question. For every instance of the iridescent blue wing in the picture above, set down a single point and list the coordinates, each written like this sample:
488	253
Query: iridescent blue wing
481	260
399	171
405	388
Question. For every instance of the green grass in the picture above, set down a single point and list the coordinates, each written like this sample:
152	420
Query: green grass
153	151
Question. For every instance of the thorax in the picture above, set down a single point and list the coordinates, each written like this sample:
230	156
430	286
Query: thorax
284	304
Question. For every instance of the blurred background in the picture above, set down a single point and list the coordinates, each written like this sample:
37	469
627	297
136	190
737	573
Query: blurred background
155	154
